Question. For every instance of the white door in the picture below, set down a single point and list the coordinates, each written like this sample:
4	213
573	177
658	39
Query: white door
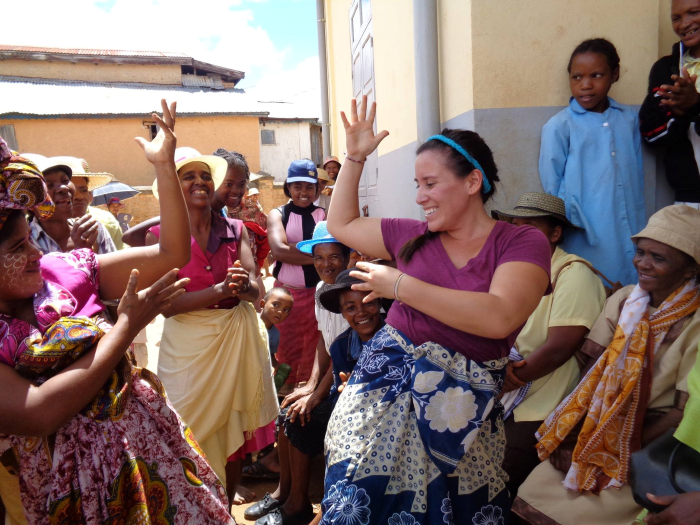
362	45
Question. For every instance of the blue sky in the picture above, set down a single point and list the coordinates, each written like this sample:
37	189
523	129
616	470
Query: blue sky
273	41
291	25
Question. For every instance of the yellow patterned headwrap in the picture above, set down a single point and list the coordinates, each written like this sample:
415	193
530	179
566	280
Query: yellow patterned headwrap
22	186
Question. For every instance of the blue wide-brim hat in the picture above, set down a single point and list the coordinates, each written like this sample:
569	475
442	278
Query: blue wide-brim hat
321	235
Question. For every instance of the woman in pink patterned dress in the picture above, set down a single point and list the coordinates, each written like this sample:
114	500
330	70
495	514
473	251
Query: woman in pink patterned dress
93	438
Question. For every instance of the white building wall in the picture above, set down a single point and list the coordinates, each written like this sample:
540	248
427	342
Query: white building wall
292	142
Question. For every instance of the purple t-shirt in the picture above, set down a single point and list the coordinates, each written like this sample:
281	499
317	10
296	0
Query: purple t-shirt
431	264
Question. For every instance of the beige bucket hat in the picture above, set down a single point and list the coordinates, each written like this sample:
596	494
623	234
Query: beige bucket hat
677	226
531	205
81	168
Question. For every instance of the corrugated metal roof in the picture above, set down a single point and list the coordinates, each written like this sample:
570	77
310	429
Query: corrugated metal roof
41	97
93	52
213	82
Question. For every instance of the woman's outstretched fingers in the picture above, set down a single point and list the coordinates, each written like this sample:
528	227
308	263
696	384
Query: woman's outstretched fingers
162	283
172	290
346	124
371	297
133	283
362	113
353	110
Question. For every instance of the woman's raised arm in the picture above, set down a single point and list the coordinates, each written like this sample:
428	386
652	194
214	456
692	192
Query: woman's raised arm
364	234
173	250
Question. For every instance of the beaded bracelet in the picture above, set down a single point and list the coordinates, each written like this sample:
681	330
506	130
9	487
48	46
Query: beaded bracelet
356	161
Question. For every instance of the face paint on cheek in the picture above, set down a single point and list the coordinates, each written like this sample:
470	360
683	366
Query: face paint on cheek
13	265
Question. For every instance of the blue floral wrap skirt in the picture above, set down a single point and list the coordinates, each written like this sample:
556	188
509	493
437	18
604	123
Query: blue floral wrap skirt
417	437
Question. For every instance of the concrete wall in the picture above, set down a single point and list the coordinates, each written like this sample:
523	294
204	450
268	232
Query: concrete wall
502	73
150	74
108	145
292	142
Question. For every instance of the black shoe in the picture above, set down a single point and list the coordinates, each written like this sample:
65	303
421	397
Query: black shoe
279	517
261	508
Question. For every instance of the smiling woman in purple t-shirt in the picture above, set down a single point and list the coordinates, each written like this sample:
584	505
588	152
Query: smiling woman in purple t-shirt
417	436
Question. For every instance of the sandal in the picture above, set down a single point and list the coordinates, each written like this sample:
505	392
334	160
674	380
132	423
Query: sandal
259	471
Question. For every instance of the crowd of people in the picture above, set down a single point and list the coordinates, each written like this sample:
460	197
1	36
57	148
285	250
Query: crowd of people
478	367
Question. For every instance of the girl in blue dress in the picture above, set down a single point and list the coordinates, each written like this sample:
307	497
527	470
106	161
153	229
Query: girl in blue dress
591	157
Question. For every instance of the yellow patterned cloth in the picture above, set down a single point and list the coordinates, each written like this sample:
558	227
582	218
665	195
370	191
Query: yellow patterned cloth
614	394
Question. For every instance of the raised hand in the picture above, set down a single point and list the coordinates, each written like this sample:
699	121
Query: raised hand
360	139
139	308
162	148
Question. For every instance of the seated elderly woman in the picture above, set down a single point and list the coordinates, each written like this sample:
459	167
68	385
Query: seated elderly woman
641	349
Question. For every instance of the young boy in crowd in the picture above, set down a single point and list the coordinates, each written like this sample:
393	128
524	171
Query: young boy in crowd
543	369
275	308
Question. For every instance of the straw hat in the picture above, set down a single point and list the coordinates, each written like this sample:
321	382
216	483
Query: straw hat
677	226
323	175
531	205
80	168
183	156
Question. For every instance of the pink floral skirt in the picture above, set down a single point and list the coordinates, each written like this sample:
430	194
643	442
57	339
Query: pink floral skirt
140	465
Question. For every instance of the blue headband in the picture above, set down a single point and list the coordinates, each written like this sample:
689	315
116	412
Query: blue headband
485	184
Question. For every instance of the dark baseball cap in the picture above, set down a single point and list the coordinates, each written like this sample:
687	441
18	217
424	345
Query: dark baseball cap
302	171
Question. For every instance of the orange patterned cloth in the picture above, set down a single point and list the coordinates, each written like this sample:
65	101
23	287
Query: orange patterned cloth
613	396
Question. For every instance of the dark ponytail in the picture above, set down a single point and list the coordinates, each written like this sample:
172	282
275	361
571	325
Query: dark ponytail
461	167
412	246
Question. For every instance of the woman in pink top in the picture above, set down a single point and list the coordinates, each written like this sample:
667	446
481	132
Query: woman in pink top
287	225
417	434
214	361
94	439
